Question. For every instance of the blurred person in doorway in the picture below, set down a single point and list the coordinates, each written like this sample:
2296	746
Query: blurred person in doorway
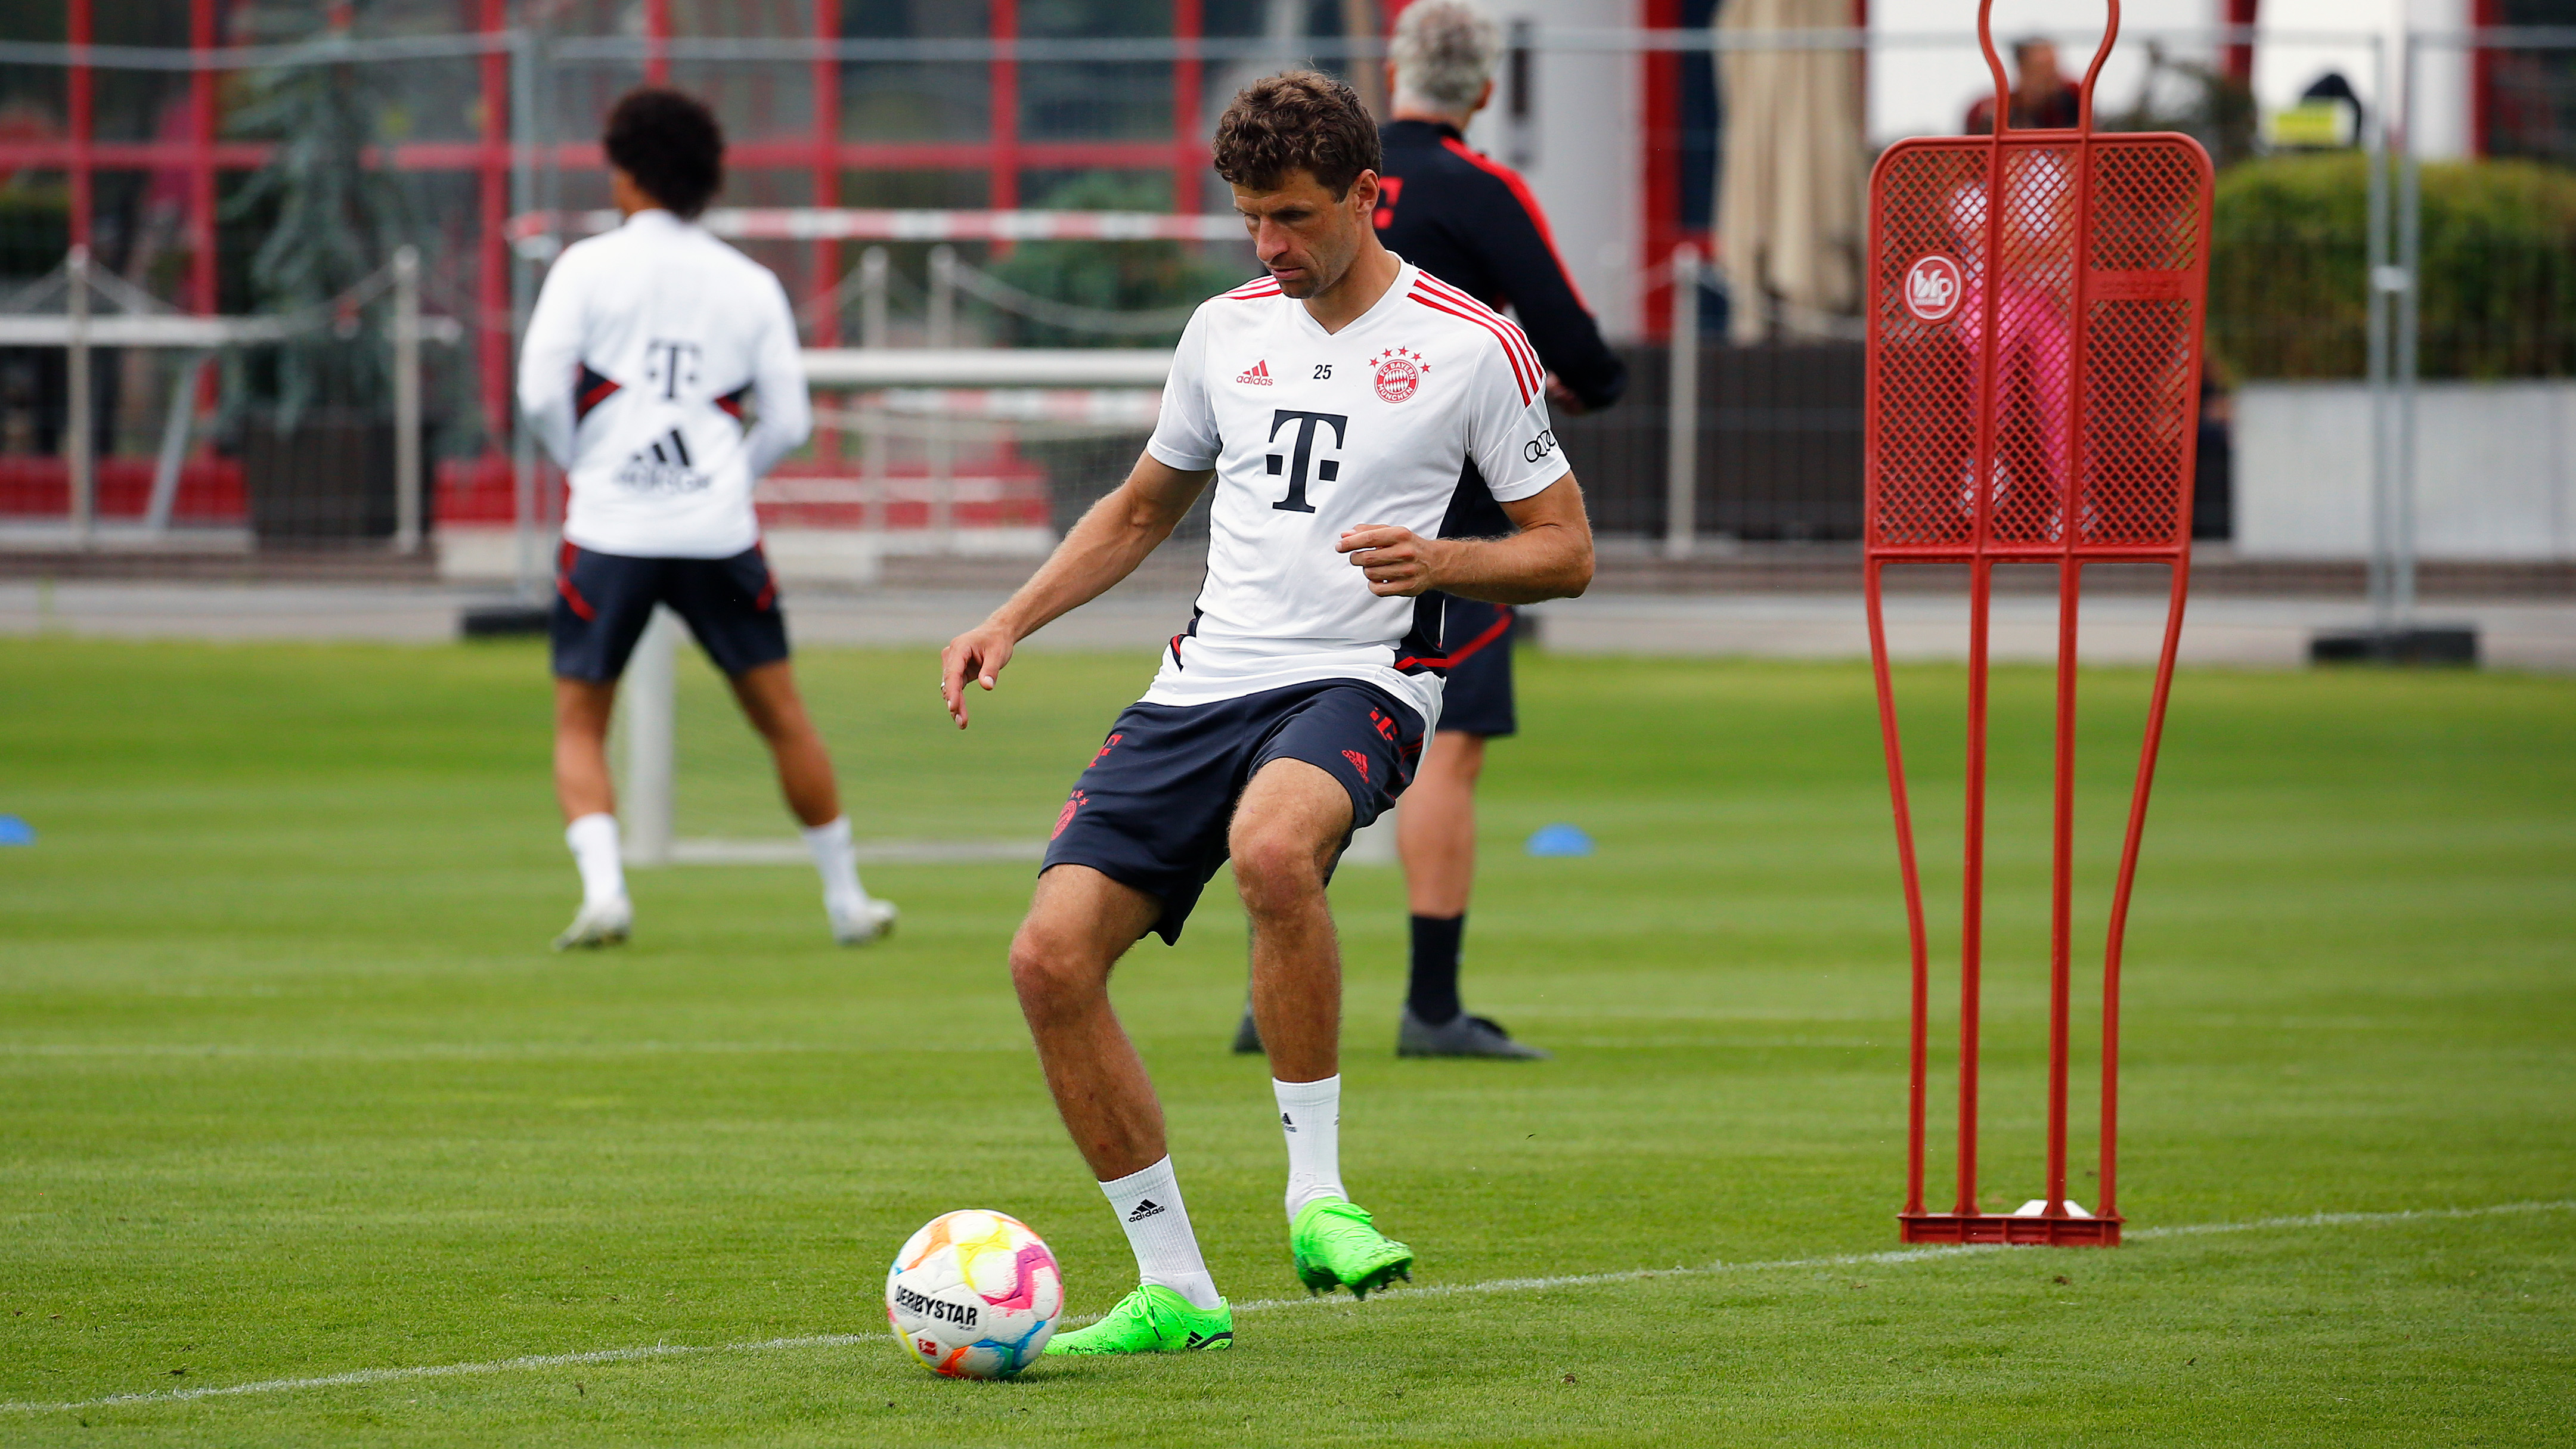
2043	99
661	370
1471	222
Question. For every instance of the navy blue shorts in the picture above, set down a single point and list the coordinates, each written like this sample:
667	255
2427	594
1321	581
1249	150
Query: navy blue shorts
1152	809
604	600
1478	699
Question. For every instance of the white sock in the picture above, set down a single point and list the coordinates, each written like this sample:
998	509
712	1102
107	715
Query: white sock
1148	1204
593	839
836	863
1310	1117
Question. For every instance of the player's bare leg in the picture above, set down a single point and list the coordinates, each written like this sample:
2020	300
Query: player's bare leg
582	784
769	700
1435	833
1079	925
1436	836
589	800
1287	829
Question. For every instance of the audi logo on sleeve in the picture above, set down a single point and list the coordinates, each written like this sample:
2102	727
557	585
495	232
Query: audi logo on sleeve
1934	287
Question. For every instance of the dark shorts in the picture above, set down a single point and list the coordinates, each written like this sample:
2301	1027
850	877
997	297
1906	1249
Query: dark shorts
604	600
1153	808
1478	699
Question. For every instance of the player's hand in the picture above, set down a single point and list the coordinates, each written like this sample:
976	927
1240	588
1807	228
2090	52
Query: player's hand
977	654
1562	399
1398	561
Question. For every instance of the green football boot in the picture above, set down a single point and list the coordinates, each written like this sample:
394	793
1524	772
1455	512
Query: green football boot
1335	1246
1152	1319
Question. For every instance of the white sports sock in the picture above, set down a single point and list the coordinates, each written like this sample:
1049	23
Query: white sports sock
1310	1117
836	863
1148	1204
593	839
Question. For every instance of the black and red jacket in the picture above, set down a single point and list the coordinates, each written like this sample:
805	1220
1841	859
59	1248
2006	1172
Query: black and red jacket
1471	221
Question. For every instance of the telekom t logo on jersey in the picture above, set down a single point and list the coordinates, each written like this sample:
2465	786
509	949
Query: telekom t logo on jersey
1934	287
1300	462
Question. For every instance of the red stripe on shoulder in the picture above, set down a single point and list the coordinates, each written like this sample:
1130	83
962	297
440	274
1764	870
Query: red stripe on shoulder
1257	288
1511	329
1520	370
1529	203
1512	333
1514	339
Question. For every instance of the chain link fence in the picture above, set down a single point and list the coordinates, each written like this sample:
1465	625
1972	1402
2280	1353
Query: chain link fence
461	146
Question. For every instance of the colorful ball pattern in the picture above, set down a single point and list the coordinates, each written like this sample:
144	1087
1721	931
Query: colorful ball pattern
974	1295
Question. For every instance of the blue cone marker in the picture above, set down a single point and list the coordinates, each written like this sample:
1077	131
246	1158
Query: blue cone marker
1560	839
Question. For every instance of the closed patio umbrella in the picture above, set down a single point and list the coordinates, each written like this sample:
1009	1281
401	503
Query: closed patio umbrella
1789	228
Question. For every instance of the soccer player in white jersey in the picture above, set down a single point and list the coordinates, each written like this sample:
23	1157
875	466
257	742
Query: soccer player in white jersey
1336	401
645	347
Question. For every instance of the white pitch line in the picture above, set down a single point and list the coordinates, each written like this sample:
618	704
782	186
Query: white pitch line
451	1370
1491	1285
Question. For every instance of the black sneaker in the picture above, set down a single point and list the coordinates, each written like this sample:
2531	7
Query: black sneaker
1461	1036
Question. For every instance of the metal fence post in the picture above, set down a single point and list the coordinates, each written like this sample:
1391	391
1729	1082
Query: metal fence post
173	458
524	57
650	703
2410	257
943	451
84	479
874	272
407	460
1681	409
2385	282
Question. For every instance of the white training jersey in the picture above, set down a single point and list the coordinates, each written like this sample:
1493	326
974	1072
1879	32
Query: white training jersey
644	348
1313	433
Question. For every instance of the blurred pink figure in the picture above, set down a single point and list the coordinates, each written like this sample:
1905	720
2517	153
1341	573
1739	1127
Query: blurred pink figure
2034	352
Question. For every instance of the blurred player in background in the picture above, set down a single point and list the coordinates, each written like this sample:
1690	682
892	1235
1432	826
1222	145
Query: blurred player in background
2043	99
1337	401
1471	222
661	370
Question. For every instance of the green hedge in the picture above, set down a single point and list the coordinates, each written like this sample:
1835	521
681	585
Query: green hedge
2499	271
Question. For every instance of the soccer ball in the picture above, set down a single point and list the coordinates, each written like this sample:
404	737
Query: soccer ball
974	1295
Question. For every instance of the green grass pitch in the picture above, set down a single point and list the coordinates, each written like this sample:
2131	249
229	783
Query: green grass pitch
293	1089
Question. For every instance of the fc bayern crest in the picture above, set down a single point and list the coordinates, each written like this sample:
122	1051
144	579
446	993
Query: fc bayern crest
1934	287
1399	372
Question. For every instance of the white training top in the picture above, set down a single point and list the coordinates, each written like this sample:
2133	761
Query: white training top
645	343
1312	433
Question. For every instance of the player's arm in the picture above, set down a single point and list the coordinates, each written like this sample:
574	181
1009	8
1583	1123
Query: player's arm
547	357
1548	556
1113	537
786	417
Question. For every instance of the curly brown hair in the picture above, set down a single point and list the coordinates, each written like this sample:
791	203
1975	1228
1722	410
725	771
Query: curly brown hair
670	143
1300	120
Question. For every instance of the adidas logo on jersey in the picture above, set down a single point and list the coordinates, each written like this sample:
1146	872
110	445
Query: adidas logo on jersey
1259	376
663	466
1144	1210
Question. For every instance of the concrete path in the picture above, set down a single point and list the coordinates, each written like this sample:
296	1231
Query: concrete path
2219	631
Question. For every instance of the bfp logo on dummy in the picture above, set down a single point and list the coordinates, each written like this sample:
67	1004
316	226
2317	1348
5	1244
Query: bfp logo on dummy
1933	287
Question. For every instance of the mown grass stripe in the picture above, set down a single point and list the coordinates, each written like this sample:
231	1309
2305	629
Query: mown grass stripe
1491	1285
